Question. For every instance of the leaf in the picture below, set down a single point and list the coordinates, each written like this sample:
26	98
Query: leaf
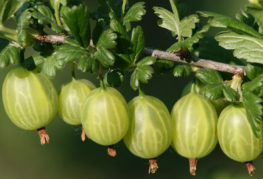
213	91
49	66
107	39
77	21
45	17
189	42
113	78
182	70
253	85
252	71
8	8
134	14
188	24
257	14
230	94
219	20
88	64
104	56
209	76
10	54
142	73
245	47
25	32
147	61
137	41
253	106
168	20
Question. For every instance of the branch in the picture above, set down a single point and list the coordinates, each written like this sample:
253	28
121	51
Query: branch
202	63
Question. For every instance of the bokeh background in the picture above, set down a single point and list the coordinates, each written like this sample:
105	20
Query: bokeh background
67	157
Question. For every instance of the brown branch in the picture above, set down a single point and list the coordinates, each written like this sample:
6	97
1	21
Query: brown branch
202	63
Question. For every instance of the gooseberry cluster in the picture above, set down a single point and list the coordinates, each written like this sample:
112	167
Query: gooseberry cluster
145	124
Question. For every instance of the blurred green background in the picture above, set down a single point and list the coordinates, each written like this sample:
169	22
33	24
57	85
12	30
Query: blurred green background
67	157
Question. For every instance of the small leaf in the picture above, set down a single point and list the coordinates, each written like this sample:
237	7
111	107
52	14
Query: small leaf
67	54
209	76
134	14
230	94
88	64
147	61
219	20
252	71
134	82
245	47
45	17
213	91
107	39
253	106
113	78
182	70
25	32
10	54
257	14
105	57
77	21
137	40
253	85
188	24
8	8
189	42
168	20
49	66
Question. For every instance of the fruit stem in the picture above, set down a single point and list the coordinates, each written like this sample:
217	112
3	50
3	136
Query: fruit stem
153	166
236	82
250	167
44	138
192	166
112	151
83	134
141	93
73	73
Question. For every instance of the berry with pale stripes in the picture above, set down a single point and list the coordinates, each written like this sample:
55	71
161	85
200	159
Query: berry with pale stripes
194	123
105	116
236	137
150	132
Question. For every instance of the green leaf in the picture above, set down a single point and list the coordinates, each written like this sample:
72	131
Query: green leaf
134	14
213	91
77	21
182	70
104	56
8	8
25	32
219	20
168	20
49	66
252	71
107	39
142	73
257	14
230	94
137	40
113	78
88	64
245	47
209	76
56	6
45	17
10	54
253	85
189	42
147	61
253	106
188	24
